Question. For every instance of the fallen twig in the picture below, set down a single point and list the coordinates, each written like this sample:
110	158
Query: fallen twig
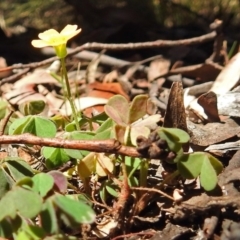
118	47
107	146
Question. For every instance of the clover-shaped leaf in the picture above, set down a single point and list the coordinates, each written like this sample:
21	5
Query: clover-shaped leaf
183	137
203	165
17	201
54	156
208	176
42	183
36	125
138	108
32	107
171	138
117	108
105	130
78	211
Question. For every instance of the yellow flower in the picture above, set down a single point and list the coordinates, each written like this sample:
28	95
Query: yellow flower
57	40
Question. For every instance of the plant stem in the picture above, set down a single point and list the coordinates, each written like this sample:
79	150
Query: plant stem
69	95
169	178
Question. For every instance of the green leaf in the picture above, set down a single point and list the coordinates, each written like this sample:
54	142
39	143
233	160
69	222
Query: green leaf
48	216
138	108
132	164
82	198
24	198
4	185
108	124
189	165
32	107
7	206
8	177
31	232
18	125
117	109
54	156
77	135
59	121
183	137
133	181
9	226
172	139
71	127
103	191
25	182
18	201
143	172
217	165
77	210
18	168
74	153
112	189
42	183
100	118
105	131
41	127
203	164
208	175
36	125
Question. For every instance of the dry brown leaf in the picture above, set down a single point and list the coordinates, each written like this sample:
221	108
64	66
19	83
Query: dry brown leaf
83	103
40	76
157	68
228	77
211	133
209	103
202	72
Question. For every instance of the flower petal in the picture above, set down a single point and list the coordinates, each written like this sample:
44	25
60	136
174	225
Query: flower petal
69	29
40	43
47	35
73	34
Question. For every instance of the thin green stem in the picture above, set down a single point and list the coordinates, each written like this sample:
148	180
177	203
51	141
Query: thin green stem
69	95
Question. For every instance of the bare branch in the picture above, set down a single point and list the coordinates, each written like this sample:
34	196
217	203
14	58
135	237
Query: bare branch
107	146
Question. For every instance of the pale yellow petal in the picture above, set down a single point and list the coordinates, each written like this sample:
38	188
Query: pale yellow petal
39	43
69	29
47	35
73	34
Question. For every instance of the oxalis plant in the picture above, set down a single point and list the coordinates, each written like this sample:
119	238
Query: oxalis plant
163	143
35	204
